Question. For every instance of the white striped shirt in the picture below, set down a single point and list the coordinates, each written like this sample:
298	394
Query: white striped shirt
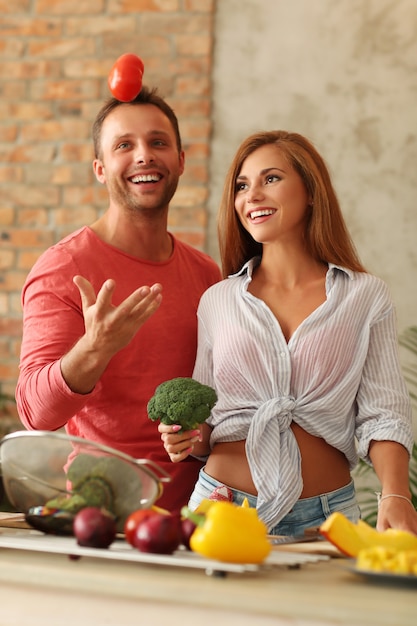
338	377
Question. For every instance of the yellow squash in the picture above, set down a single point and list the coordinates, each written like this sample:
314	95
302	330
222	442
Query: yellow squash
388	560
351	538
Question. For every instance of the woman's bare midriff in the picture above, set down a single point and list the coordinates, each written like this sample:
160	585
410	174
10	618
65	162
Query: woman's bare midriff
323	467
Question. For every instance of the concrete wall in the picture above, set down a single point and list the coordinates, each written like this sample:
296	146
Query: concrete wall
344	73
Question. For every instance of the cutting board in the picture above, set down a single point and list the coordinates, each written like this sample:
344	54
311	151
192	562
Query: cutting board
13	520
316	547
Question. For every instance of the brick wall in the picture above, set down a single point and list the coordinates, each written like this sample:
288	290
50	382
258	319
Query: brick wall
55	58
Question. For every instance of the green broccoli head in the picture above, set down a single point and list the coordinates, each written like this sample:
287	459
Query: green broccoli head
65	502
106	482
182	401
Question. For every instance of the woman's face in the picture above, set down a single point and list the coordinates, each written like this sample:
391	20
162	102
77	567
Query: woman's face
270	197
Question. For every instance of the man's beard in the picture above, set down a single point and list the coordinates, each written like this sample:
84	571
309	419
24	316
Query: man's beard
122	196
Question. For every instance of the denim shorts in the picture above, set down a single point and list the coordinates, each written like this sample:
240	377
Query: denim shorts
306	512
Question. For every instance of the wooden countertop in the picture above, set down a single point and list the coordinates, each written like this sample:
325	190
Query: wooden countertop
39	588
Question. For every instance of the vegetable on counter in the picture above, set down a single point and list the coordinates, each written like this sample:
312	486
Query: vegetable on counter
351	538
104	482
229	533
182	401
187	529
158	533
94	528
382	559
137	517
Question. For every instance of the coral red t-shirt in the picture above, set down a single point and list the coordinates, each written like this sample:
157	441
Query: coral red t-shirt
114	413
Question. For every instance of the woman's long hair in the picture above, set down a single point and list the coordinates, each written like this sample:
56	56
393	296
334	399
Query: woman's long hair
326	235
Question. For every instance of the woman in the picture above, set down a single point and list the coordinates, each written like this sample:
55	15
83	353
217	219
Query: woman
300	344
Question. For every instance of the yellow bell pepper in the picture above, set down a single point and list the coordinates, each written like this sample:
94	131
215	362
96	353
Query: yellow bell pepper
204	506
231	533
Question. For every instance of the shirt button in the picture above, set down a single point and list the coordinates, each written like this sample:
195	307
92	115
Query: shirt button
282	355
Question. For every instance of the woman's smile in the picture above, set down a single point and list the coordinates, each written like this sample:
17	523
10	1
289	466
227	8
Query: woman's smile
269	192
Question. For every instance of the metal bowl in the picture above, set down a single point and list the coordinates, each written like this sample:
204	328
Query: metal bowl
38	467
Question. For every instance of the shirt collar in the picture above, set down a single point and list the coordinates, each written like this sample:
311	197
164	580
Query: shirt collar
247	268
250	265
333	267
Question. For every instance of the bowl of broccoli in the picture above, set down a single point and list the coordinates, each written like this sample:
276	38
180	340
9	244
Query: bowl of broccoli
51	476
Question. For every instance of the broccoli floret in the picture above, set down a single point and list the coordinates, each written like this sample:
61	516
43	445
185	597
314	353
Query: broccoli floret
107	482
182	401
90	491
72	504
96	492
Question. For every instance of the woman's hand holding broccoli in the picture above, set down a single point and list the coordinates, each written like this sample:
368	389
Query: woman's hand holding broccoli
182	405
180	443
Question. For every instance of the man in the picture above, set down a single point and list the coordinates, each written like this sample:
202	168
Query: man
110	311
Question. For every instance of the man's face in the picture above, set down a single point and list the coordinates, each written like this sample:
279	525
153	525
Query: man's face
139	160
